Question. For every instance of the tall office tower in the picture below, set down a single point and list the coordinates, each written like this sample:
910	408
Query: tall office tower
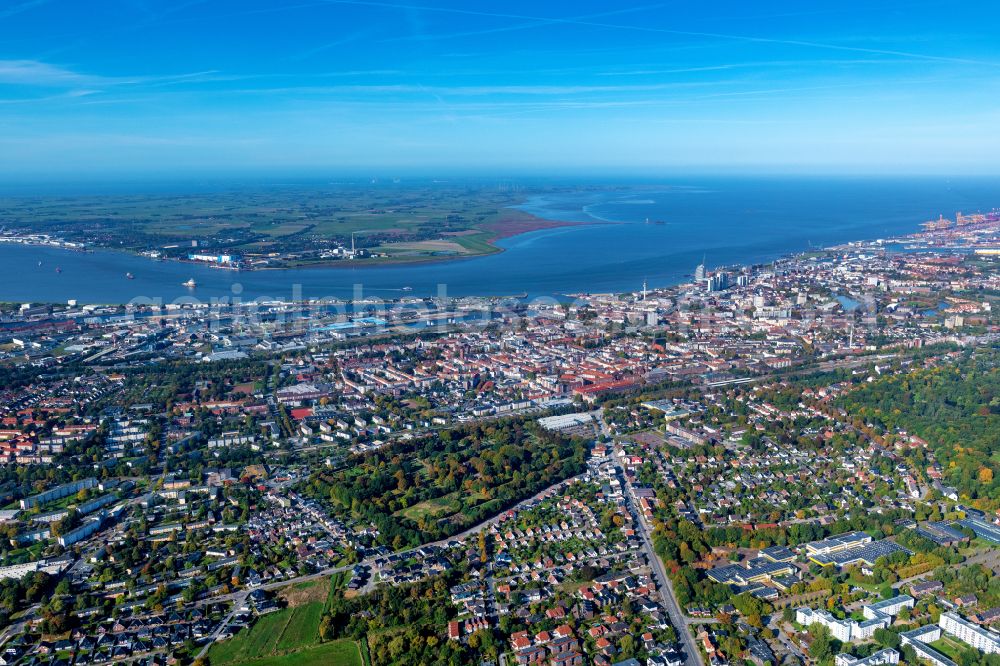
717	282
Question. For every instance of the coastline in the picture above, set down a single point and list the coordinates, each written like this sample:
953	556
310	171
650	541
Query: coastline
892	244
526	224
593	257
517	223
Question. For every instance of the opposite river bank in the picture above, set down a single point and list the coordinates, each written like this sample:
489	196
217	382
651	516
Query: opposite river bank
656	233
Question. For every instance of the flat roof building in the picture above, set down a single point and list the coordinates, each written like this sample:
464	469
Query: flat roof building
983	529
778	554
878	616
967	632
886	656
866	552
920	638
940	533
837	543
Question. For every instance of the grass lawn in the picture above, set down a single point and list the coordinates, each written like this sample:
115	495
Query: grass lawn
338	582
302	628
432	508
344	652
980	544
273	635
572	587
22	555
948	648
256	641
479	243
446	505
302	594
871	588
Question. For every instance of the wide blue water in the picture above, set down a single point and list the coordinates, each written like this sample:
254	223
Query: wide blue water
727	221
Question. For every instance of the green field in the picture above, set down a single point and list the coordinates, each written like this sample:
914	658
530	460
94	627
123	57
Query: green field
440	507
302	628
286	631
412	223
338	582
432	508
948	648
342	652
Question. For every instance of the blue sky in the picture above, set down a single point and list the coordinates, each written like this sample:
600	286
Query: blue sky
144	86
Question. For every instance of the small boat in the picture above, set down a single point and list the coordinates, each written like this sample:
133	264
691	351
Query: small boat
407	288
129	276
58	270
191	284
39	263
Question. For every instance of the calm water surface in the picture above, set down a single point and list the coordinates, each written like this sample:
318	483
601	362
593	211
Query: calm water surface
727	221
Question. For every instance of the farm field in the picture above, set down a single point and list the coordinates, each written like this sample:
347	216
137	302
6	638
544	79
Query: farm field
287	226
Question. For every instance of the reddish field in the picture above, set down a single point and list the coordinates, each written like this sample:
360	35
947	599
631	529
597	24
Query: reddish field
517	222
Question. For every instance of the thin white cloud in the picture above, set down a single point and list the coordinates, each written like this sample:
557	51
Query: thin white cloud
478	91
760	64
63	96
21	8
35	73
530	24
342	41
666	31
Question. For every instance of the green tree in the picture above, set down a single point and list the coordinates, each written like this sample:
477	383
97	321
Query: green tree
822	646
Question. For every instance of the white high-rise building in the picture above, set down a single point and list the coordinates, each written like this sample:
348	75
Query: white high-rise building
877	616
839	629
880	658
979	638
